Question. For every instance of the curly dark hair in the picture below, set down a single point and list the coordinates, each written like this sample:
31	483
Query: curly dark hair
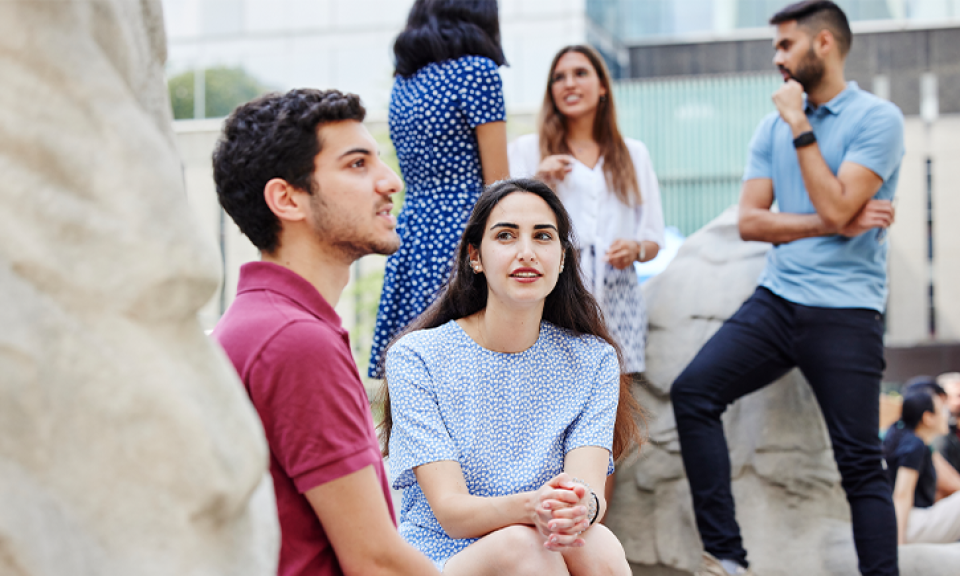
439	30
273	136
817	15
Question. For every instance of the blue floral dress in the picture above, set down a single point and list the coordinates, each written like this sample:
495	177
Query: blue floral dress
508	419
433	117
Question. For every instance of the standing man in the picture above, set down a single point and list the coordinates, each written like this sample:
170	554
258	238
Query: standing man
300	176
831	162
949	445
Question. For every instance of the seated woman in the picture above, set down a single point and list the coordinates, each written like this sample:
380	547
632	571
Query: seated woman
507	399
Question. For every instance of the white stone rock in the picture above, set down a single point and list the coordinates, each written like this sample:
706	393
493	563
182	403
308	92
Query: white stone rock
794	516
127	444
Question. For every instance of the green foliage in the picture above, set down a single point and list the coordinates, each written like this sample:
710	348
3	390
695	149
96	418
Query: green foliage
225	88
365	292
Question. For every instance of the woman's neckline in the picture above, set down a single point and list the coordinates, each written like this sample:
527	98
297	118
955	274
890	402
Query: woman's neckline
595	166
470	339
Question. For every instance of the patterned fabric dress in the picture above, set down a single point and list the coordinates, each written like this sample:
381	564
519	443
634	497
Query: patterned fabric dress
508	419
433	117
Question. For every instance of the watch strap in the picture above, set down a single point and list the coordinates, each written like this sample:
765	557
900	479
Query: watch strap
804	139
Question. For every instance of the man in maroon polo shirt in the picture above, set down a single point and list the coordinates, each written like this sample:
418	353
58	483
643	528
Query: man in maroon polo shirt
300	176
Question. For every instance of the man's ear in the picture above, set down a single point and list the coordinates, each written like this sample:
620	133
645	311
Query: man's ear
285	200
824	42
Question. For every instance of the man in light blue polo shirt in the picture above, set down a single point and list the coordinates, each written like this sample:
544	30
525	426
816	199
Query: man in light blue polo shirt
831	162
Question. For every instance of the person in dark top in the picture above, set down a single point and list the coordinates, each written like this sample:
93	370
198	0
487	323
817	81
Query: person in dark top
948	477
909	458
949	444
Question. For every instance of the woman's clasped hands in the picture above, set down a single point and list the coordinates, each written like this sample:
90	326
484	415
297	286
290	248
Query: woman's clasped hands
560	512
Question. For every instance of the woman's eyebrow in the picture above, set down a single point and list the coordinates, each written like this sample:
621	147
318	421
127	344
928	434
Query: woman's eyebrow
544	227
505	225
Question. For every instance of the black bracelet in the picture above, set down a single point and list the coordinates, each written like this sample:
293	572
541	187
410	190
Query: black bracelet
596	507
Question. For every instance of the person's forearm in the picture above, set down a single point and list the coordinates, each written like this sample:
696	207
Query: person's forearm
835	208
492	148
779	227
392	558
466	516
902	506
650	251
948	479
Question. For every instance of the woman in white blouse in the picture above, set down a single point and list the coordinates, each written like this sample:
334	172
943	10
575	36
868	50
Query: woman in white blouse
607	184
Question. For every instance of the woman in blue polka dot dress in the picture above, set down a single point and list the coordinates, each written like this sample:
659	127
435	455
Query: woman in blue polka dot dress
506	402
447	122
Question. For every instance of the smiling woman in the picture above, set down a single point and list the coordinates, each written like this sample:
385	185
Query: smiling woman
605	181
505	403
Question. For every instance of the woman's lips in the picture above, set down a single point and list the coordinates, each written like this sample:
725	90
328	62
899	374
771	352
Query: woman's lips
526	274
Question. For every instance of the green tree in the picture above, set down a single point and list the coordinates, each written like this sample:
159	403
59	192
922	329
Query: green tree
224	89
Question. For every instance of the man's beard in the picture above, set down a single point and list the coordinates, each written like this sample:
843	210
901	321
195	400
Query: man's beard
340	234
809	71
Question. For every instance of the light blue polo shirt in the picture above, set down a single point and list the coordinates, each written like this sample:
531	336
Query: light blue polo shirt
830	271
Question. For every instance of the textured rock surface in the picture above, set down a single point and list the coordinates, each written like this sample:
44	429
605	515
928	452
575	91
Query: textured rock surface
126	443
789	503
792	511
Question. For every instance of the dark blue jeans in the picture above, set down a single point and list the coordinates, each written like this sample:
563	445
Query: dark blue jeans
840	353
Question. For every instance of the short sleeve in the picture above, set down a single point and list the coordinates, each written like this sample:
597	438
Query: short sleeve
524	156
760	151
480	92
594	425
910	453
419	435
651	209
878	144
314	409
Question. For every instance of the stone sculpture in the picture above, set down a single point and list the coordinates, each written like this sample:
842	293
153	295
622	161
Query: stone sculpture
127	445
790	506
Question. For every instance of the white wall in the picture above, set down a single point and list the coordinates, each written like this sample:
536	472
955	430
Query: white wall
348	44
908	313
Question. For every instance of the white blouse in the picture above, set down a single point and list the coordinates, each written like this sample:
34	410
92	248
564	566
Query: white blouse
599	217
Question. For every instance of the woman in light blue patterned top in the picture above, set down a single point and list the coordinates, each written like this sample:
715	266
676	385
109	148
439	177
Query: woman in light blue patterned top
507	402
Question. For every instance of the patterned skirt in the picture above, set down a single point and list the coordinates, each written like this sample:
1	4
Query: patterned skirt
621	301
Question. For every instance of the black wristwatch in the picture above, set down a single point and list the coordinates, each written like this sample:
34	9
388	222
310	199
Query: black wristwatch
804	139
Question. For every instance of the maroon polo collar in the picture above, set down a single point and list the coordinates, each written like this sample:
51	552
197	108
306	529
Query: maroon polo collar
270	277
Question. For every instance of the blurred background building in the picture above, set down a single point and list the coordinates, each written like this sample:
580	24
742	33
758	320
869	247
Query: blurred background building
694	78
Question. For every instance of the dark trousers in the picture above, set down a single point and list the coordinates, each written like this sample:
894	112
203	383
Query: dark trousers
840	353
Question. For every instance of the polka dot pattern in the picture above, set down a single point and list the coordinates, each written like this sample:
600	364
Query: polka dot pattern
508	419
433	117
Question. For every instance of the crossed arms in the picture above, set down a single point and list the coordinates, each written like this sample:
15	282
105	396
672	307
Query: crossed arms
843	203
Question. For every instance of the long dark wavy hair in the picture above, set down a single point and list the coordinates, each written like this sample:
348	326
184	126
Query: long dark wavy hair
569	305
439	30
617	165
